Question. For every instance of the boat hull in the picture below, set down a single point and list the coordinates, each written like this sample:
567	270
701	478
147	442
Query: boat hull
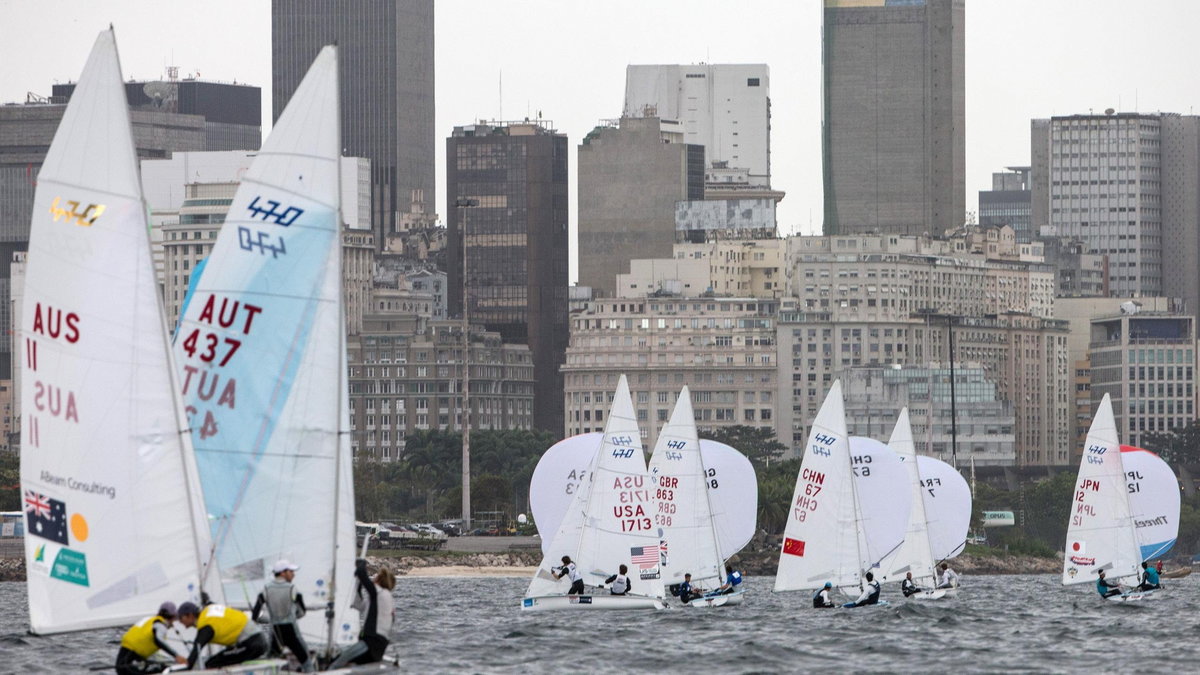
1133	596
726	600
937	594
552	602
1176	574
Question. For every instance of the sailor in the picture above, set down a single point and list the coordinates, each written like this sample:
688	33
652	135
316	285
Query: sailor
242	638
1149	578
821	598
686	592
1105	587
908	587
949	578
143	640
373	600
569	570
620	582
870	594
285	606
733	579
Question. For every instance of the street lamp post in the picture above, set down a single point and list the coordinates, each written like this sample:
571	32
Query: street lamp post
463	204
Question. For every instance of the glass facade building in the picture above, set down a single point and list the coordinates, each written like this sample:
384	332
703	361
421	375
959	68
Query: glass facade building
515	176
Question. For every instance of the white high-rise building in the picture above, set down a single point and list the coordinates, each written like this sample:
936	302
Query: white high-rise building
724	107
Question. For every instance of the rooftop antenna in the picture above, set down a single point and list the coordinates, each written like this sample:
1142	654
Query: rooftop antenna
501	94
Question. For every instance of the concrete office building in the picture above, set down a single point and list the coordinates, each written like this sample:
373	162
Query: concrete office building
724	107
631	174
386	77
982	433
880	300
515	174
894	117
723	349
1009	203
1128	186
1146	363
1079	312
406	375
725	267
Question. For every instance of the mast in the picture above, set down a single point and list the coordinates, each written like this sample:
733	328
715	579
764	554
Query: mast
338	252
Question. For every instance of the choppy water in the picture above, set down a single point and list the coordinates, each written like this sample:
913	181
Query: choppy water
999	623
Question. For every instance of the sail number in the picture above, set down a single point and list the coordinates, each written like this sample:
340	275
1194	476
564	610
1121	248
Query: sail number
206	346
635	524
806	502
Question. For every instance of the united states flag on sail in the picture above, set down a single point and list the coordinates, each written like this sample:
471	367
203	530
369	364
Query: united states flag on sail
644	557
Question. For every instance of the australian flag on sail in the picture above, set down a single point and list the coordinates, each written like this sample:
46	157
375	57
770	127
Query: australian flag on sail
645	557
45	517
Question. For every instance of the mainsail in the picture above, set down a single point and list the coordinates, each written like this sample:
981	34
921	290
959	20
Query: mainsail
1100	532
609	521
261	349
883	499
115	524
822	541
916	554
681	504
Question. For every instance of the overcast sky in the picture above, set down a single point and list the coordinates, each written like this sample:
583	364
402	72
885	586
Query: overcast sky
1025	59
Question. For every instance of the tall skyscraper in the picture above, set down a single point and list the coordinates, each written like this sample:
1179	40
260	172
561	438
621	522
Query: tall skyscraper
724	107
514	178
894	116
630	177
386	85
1128	186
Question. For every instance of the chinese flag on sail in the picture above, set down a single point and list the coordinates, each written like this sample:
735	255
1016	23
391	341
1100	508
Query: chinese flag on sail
793	546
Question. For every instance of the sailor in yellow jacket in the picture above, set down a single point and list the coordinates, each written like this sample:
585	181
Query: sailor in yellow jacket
145	639
242	638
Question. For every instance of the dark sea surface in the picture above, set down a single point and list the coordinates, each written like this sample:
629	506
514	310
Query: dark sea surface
998	623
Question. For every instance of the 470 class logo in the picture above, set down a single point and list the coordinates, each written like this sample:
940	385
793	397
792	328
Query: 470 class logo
72	213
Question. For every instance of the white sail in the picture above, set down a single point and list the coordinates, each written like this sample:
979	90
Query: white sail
681	504
115	524
822	539
947	500
261	345
916	554
883	498
733	488
609	522
1153	500
556	479
733	495
1100	534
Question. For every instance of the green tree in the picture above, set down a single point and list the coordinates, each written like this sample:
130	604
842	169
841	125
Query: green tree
1177	447
758	444
10	481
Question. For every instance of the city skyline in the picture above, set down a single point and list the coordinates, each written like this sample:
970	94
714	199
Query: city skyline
574	74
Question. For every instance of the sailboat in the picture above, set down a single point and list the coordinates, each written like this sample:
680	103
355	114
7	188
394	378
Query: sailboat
732	488
941	511
261	348
683	509
1101	532
825	539
609	523
115	522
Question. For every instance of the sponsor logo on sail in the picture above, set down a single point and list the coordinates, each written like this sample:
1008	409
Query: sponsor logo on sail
70	566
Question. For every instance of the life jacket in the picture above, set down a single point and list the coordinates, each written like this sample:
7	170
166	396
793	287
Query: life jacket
139	639
735	578
819	599
227	623
621	585
874	596
280	597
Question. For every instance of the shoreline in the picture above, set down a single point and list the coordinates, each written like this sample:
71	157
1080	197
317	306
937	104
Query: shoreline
523	564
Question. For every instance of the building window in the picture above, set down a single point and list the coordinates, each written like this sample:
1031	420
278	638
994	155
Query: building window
752	82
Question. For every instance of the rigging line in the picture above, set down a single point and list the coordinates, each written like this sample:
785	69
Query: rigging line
109	193
284	455
257	294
